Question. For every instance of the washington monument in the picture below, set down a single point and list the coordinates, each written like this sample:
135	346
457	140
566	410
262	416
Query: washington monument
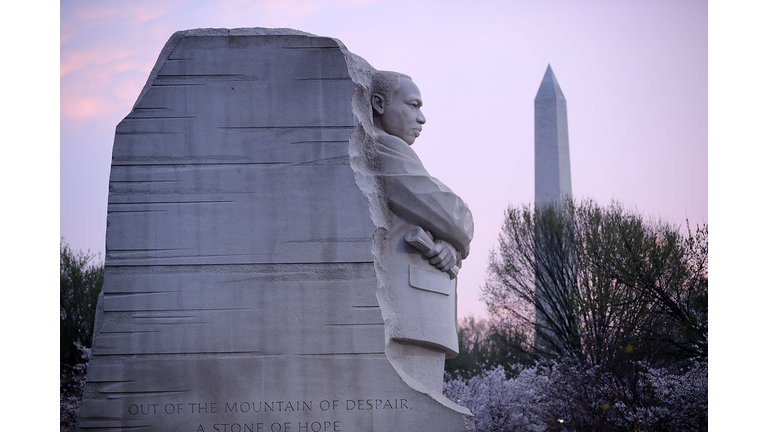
553	185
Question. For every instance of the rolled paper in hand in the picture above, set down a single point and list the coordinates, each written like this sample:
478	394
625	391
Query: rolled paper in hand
419	239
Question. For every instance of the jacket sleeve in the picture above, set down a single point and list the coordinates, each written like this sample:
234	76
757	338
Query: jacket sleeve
420	199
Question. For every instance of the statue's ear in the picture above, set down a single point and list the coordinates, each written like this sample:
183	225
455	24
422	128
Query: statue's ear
378	103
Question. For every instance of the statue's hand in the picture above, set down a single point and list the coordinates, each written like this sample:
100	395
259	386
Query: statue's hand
443	256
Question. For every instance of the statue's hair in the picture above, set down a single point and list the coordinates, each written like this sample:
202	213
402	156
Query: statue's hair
386	83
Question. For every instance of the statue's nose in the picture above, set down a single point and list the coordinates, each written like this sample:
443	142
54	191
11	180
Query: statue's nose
421	119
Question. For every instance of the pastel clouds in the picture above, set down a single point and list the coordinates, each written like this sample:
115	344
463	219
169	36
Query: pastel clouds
92	13
98	81
101	72
106	94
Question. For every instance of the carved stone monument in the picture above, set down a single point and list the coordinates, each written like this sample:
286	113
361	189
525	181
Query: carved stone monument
278	259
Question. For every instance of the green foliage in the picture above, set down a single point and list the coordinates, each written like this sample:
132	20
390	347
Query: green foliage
604	285
80	284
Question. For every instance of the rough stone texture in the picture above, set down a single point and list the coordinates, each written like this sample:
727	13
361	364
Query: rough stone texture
553	160
240	285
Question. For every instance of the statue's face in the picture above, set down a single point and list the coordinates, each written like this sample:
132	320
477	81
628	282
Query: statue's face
402	117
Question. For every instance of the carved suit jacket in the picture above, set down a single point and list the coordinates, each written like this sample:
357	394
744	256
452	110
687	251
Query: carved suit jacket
418	301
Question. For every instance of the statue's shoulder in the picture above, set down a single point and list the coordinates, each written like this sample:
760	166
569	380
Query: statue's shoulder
390	141
390	145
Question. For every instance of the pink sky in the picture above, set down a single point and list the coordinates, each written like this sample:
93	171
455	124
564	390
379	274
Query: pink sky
634	75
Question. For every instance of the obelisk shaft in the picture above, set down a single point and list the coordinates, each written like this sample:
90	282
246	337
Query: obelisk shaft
553	185
553	162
